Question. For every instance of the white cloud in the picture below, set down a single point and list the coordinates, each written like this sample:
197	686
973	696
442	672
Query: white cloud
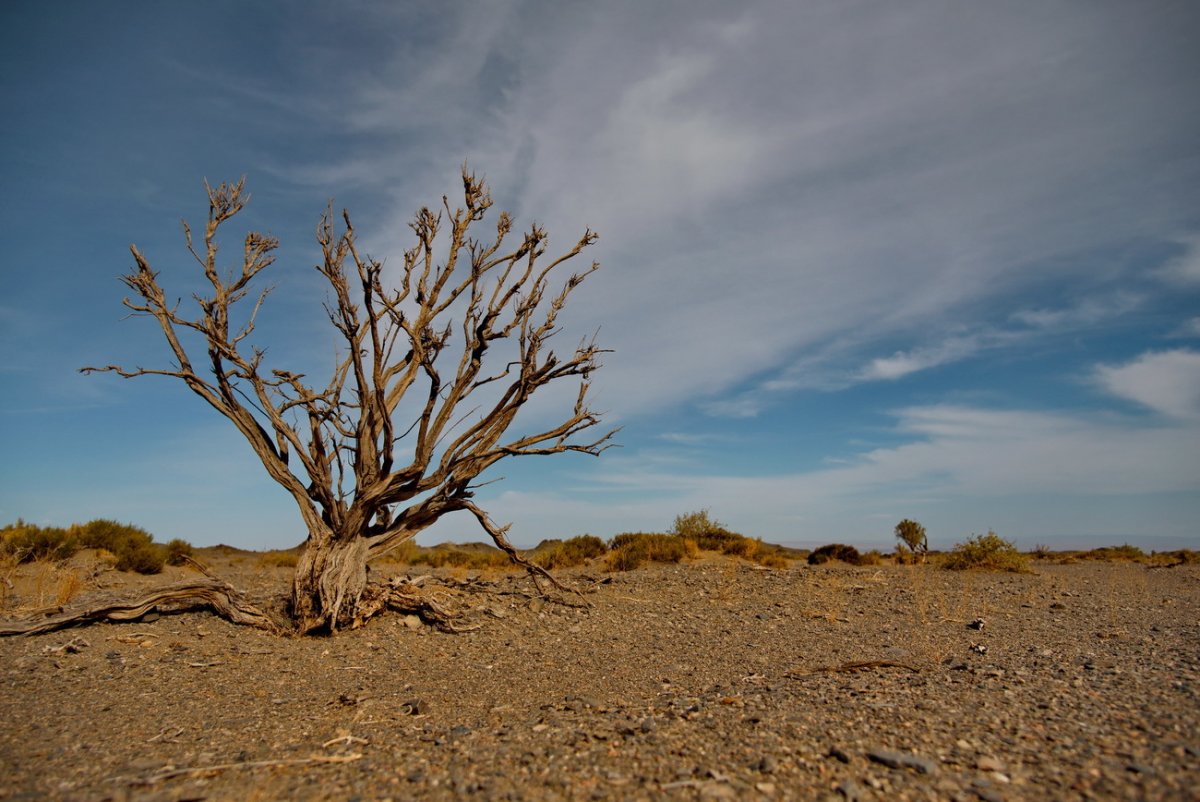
778	180
1167	382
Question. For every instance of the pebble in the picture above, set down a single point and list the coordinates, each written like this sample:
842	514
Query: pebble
902	760
850	790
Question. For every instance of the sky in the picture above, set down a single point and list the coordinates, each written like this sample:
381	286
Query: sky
860	261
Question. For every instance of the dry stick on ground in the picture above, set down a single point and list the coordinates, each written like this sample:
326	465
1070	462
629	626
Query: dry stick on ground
200	771
854	666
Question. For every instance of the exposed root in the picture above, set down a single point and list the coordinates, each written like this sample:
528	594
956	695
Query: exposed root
207	594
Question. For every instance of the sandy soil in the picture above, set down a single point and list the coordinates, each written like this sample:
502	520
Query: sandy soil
714	680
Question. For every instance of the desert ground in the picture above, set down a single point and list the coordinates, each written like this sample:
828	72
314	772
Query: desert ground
713	679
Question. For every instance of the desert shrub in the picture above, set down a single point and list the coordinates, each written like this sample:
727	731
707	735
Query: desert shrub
913	543
872	557
990	552
773	559
279	558
29	543
112	536
1177	557
567	553
178	551
471	556
1040	552
403	554
141	556
632	549
834	551
1123	553
695	524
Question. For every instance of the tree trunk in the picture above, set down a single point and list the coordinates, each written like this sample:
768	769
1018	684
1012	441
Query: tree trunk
329	582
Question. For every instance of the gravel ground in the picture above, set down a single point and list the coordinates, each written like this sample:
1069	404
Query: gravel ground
714	680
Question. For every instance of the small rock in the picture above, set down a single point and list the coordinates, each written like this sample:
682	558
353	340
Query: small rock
902	760
976	624
850	790
989	764
978	648
839	754
648	724
460	730
412	621
767	764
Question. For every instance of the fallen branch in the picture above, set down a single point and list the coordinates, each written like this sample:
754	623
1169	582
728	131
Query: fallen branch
853	667
207	594
200	771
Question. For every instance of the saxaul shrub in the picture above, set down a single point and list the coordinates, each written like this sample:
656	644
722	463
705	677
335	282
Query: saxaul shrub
632	549
988	552
834	551
29	543
133	547
551	554
179	551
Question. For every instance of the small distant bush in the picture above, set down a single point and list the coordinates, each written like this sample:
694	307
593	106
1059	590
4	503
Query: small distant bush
402	554
872	557
632	549
1040	552
178	551
834	551
1177	557
143	557
1123	553
279	558
574	551
989	552
29	543
914	544
448	554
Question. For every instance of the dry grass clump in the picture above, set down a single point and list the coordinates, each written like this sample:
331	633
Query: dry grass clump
987	552
709	534
280	558
551	554
473	556
1108	554
632	549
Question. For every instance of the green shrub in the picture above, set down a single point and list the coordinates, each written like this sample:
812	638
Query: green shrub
1123	553
178	551
632	549
279	558
990	552
574	551
29	543
141	556
695	525
471	556
872	557
834	551
914	544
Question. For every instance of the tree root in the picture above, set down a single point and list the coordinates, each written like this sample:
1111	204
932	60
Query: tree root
206	594
446	605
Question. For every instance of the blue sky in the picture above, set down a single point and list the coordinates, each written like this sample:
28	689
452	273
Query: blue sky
861	261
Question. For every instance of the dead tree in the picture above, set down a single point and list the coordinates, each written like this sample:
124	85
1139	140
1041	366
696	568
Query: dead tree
435	363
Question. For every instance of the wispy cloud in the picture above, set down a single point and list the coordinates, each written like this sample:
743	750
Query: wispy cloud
1167	382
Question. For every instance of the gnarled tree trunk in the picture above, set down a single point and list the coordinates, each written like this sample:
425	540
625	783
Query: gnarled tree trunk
329	582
